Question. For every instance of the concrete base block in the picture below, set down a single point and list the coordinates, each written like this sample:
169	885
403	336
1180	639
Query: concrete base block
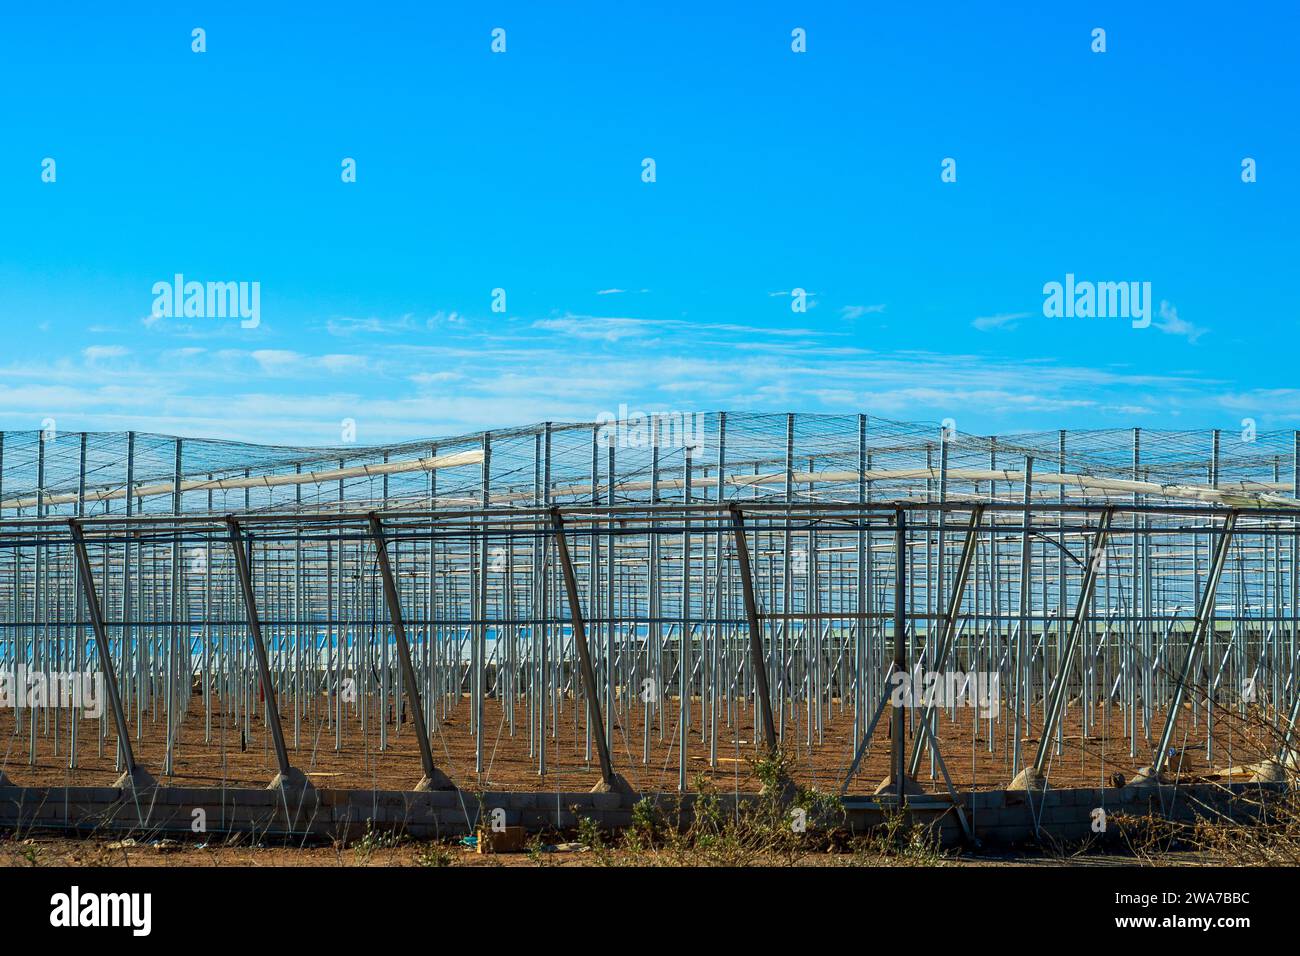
1029	779
1147	777
294	780
619	786
888	788
439	781
136	780
1268	771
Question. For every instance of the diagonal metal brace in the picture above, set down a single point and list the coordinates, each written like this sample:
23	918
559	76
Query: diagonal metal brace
135	774
610	781
288	776
1203	616
1090	574
433	779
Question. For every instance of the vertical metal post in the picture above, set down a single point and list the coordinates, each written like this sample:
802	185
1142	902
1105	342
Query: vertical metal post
611	568
863	607
480	642
1284	751
686	650
79	661
544	665
898	725
39	632
718	683
171	691
784	641
1022	666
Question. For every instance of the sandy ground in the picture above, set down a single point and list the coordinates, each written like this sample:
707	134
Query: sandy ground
228	758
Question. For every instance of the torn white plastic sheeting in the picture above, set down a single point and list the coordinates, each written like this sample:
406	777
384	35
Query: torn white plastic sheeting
1246	495
257	481
1243	495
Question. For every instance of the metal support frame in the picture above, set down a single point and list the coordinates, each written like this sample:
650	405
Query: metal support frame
134	774
1091	567
897	724
866	737
288	774
957	805
1136	628
1204	615
433	779
756	655
949	630
610	781
897	782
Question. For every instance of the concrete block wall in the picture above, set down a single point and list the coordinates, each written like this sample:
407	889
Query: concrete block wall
1011	818
997	817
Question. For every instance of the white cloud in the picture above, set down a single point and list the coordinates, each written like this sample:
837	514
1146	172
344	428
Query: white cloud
474	375
858	311
434	378
276	360
603	328
1171	324
338	362
345	325
1003	320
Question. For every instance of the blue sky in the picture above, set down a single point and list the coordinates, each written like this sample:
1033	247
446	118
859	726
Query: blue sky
522	171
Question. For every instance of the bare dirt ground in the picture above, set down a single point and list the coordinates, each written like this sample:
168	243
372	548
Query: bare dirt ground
230	758
43	850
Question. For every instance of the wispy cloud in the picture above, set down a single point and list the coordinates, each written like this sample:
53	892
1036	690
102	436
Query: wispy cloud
858	311
602	328
1171	324
346	325
1003	320
571	367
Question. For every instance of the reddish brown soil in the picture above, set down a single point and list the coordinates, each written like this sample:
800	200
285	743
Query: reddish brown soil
46	850
359	763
